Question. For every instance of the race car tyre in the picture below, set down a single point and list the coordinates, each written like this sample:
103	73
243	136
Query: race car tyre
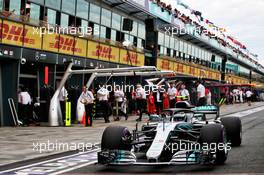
233	129
116	138
211	136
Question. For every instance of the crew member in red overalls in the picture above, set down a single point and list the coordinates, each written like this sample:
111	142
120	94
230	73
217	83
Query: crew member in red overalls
151	104
166	100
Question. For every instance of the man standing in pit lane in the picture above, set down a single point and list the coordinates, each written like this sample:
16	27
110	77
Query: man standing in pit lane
201	94
249	96
172	91
140	100
103	95
120	99
63	97
24	101
158	98
184	93
87	99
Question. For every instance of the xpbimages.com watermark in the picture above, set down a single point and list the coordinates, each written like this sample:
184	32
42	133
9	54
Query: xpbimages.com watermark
50	146
182	145
81	31
183	30
131	88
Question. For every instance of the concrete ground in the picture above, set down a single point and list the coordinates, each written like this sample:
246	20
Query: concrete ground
24	143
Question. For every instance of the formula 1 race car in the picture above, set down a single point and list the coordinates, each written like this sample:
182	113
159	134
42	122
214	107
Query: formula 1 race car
177	136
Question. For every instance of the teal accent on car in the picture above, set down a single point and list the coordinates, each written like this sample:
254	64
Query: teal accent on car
185	126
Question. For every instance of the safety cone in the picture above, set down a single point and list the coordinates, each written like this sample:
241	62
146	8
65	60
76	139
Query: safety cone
83	119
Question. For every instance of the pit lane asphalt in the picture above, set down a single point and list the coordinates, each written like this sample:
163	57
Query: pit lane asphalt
248	158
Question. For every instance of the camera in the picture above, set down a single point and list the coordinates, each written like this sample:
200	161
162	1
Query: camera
23	61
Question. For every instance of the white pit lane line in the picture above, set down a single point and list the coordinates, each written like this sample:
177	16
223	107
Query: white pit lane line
56	166
246	113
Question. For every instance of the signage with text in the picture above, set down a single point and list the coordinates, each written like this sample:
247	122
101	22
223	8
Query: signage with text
14	33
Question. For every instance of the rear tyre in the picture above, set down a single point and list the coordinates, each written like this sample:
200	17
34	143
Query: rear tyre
116	138
233	129
211	136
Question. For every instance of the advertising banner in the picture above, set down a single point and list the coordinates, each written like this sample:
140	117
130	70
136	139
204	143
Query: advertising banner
80	47
13	33
66	44
210	74
192	71
197	71
104	52
31	38
164	64
114	54
92	50
184	68
141	59
50	41
128	57
123	57
180	68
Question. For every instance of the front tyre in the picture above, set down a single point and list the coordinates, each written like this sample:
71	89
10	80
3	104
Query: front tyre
233	129
116	138
211	137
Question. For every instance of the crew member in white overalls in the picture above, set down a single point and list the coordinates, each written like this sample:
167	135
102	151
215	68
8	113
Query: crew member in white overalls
63	97
103	95
87	99
119	98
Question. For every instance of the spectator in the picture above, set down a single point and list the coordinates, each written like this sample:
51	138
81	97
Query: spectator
172	91
103	95
201	94
87	99
248	97
24	101
141	101
7	13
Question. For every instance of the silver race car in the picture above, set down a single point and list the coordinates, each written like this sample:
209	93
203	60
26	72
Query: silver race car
182	135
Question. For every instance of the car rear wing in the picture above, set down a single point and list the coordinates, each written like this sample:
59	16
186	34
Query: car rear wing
208	109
